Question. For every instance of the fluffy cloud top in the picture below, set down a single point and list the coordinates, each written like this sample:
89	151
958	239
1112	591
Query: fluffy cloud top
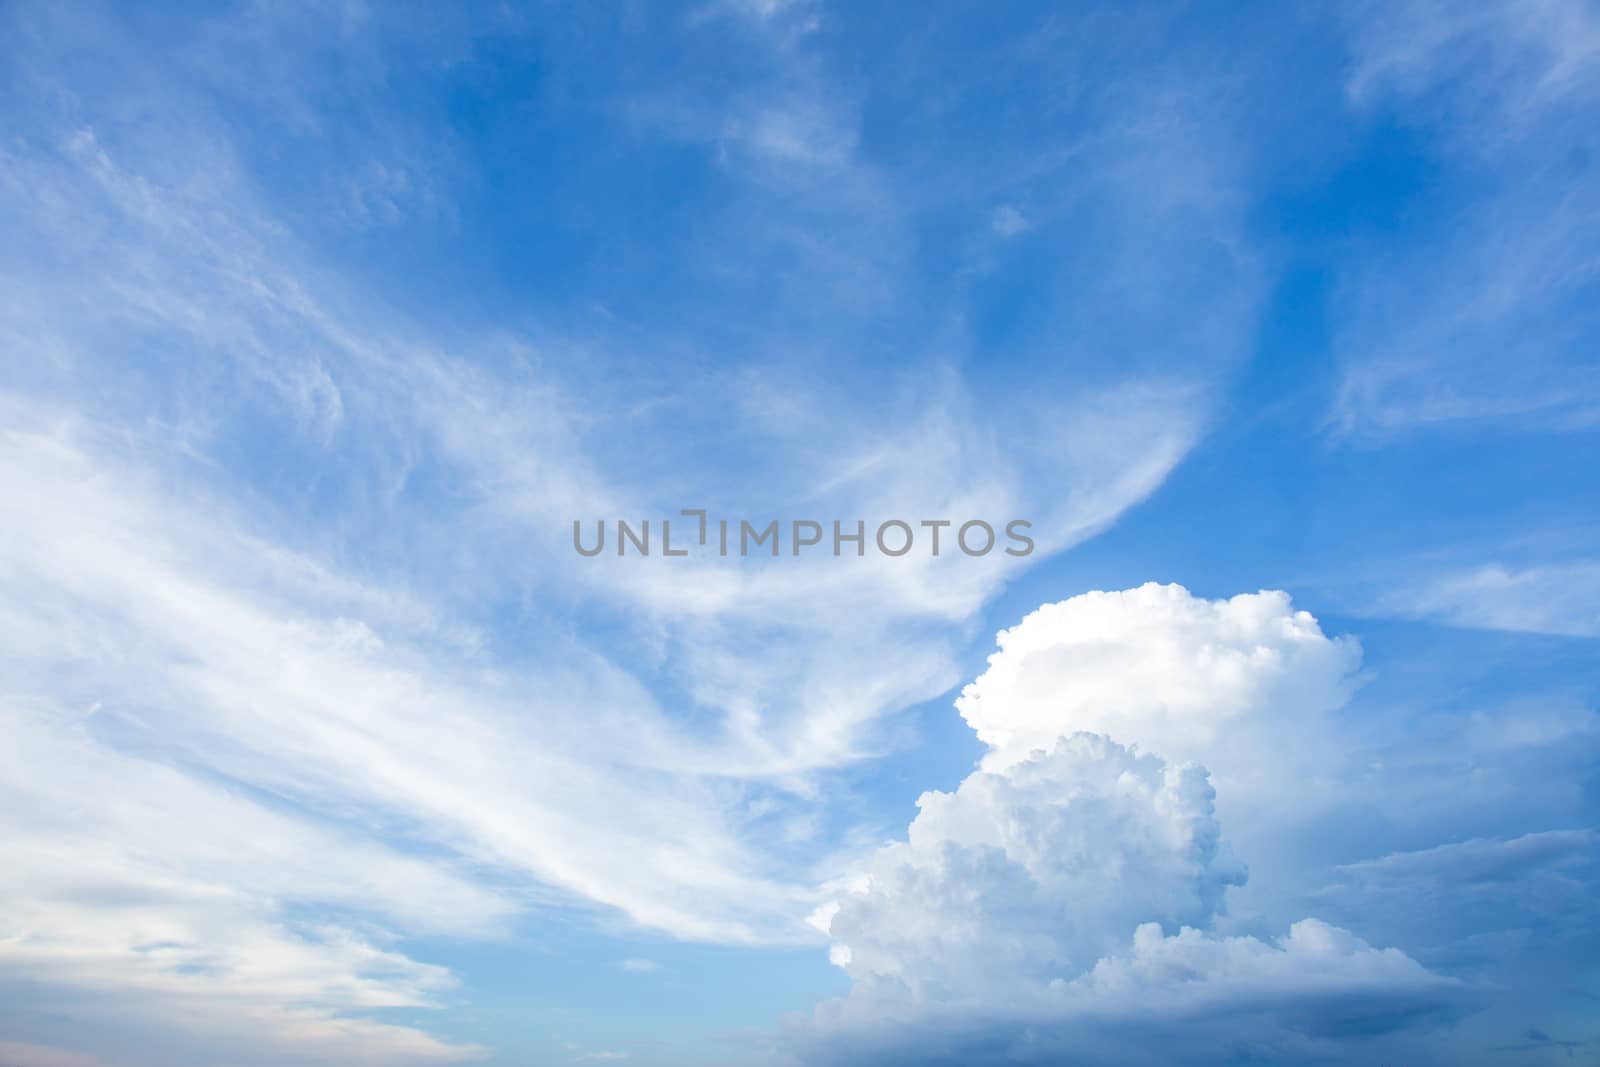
1158	668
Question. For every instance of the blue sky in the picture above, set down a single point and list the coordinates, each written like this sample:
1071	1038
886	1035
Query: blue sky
323	323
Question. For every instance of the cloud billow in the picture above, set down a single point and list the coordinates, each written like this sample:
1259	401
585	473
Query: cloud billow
1063	906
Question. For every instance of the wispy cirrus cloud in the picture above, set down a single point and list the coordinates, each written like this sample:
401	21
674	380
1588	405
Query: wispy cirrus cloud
1558	599
270	533
1499	330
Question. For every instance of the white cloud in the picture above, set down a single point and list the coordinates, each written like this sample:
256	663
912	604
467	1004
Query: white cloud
867	637
1007	221
639	965
1191	973
207	744
370	382
1313	996
1477	861
1562	599
798	134
294	696
1178	675
1485	315
1533	53
1034	873
1021	950
1000	927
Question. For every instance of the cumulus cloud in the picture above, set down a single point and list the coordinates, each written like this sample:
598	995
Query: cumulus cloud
1067	895
1328	981
1162	669
1315	995
1003	880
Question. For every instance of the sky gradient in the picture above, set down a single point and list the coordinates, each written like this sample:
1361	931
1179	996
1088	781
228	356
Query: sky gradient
322	324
